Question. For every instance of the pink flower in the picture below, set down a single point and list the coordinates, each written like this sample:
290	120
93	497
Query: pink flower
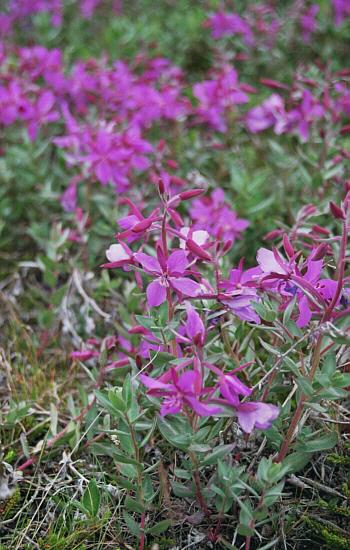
341	10
225	24
118	255
84	355
194	326
308	22
303	281
271	112
169	274
304	114
184	392
240	293
218	96
256	415
214	216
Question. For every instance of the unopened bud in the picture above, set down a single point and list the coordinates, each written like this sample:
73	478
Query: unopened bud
273	235
161	186
337	212
142	226
198	250
320	252
227	246
273	84
321	230
190	194
345	129
175	216
288	246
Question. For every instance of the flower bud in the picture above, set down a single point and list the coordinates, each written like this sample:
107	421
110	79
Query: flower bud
274	84
288	246
142	226
161	186
321	230
190	194
273	235
198	250
175	216
337	212
320	252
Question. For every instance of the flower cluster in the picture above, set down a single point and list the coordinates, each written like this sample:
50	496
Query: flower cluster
186	273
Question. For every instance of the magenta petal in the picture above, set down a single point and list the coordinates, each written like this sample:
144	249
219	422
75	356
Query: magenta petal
177	262
247	416
187	381
201	409
46	102
194	324
149	263
170	406
314	269
103	172
265	415
156	293
186	286
153	384
268	263
305	313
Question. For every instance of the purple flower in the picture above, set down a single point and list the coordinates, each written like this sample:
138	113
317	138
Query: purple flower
256	415
270	113
303	281
213	215
302	116
341	10
69	197
184	391
308	22
240	293
169	274
194	326
218	96
118	255
224	24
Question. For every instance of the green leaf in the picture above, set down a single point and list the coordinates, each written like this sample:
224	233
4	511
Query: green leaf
177	431
147	489
218	453
181	491
104	400
305	385
132	525
91	498
159	527
320	444
295	462
329	365
244	530
272	494
126	459
133	505
116	399
264	312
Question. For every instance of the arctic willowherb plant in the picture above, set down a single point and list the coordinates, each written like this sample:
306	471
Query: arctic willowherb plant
198	363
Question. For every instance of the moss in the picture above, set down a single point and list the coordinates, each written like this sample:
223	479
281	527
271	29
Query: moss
10	456
334	508
7	507
331	537
338	459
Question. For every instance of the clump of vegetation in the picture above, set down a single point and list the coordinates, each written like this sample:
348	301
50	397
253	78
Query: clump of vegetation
185	384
